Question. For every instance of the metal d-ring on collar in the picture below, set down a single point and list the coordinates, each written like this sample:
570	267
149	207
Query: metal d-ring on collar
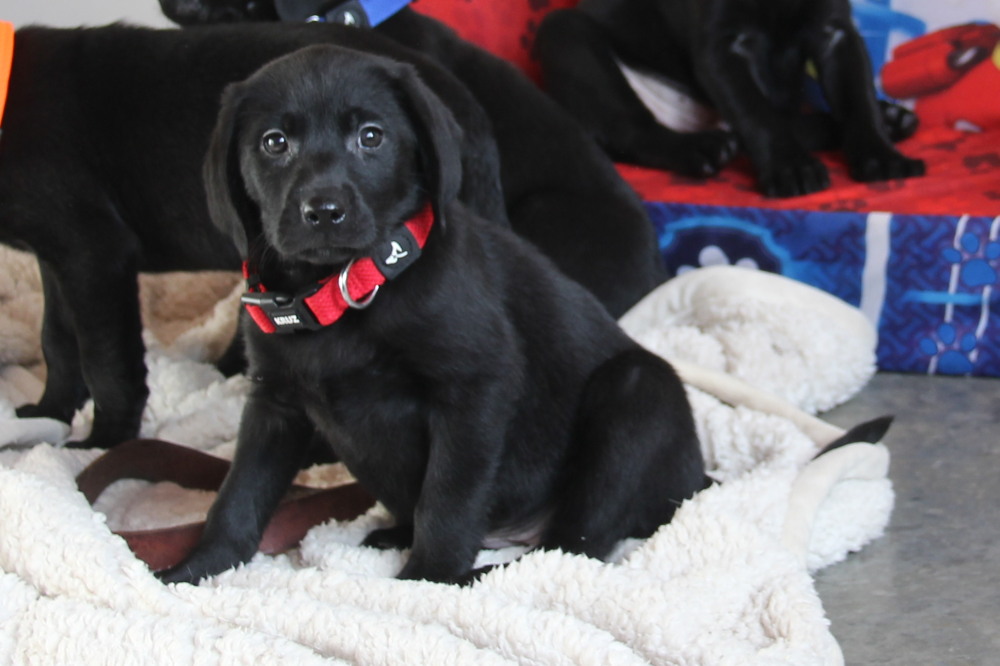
342	282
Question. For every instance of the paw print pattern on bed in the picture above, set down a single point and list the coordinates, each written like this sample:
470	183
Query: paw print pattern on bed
934	279
950	350
954	306
974	260
954	349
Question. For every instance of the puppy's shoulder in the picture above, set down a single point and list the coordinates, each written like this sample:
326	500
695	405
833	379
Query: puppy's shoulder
530	280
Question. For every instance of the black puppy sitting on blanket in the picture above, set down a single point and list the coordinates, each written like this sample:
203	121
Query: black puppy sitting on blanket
748	59
465	382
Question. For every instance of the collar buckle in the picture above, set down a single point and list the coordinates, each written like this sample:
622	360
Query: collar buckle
288	313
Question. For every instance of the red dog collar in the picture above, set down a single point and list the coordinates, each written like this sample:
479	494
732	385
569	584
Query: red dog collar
355	286
6	61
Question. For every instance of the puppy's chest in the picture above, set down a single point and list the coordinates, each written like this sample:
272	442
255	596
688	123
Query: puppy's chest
364	407
335	371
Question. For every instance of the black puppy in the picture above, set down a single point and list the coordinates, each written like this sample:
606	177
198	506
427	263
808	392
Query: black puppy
748	59
465	382
104	135
562	192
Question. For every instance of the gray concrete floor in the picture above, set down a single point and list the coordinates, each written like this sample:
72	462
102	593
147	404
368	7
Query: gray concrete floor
928	592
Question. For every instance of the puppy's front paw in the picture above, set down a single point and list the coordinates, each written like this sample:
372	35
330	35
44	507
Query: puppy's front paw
463	579
178	574
201	564
884	163
448	570
794	176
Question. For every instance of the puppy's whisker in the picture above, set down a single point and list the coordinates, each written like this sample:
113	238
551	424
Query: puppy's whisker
260	250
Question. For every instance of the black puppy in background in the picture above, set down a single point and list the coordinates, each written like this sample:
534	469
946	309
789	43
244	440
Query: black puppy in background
746	58
104	135
562	192
477	391
198	12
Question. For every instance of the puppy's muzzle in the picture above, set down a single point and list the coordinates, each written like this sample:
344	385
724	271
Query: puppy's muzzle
322	211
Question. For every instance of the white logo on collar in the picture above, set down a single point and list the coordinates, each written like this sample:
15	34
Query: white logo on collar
397	253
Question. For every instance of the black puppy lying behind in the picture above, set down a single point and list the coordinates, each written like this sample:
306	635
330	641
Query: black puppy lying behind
104	135
476	391
748	59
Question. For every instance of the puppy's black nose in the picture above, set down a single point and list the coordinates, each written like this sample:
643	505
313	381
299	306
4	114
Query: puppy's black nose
320	210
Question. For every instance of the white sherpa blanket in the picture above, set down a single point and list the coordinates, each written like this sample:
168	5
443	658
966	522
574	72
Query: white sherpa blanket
726	582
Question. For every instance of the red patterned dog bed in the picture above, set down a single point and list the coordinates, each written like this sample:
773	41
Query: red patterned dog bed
920	257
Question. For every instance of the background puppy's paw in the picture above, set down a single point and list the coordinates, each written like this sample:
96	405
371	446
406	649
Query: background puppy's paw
900	122
703	154
884	164
58	410
33	412
792	177
106	436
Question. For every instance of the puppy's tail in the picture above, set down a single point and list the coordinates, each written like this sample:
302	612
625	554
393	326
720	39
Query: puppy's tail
870	431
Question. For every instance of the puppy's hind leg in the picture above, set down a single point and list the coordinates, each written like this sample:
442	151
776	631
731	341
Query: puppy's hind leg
637	457
581	72
64	387
109	333
92	340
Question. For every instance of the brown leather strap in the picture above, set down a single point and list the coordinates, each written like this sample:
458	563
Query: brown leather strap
156	460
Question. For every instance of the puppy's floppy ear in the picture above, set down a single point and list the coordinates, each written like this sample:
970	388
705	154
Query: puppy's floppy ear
228	203
440	139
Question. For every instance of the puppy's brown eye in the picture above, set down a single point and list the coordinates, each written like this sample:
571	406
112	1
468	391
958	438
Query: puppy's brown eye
274	142
370	136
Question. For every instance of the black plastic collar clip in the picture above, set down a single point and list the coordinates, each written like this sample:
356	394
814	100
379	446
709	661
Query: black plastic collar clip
287	313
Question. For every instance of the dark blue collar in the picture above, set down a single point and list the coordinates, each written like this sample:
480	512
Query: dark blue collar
358	13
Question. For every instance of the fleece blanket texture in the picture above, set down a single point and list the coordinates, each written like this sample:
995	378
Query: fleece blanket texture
728	581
